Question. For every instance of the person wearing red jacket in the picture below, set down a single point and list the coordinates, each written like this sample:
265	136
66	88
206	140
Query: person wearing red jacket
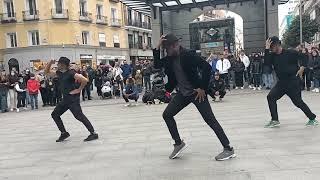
33	88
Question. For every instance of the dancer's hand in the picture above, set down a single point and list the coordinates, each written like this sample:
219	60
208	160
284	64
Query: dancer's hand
201	94
162	38
268	43
300	72
75	91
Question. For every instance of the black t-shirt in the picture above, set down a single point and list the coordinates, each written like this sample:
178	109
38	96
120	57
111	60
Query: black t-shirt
286	64
67	82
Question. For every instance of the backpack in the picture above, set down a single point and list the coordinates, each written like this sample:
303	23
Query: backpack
148	97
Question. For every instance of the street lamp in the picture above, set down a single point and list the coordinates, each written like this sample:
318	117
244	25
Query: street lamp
300	14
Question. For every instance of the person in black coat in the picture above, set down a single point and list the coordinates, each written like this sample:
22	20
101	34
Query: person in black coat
189	74
316	70
239	68
256	71
98	81
217	87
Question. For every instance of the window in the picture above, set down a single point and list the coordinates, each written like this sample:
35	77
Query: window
102	40
149	42
129	16
140	18
116	41
140	42
34	39
99	11
9	8
130	40
114	14
32	7
313	15
83	7
85	37
59	6
11	40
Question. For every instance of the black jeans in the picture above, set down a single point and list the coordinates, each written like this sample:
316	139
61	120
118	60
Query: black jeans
21	99
225	77
256	80
147	82
132	97
307	78
86	90
239	79
221	95
178	103
72	103
44	95
292	89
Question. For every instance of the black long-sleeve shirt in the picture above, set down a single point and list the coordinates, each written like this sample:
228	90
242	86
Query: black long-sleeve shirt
286	64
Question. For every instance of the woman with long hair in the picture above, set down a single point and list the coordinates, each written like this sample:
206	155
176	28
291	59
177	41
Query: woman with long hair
316	70
239	68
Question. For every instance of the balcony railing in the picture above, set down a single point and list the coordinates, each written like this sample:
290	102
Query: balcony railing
146	25
8	18
115	22
115	1
139	24
60	13
30	15
85	16
102	20
136	45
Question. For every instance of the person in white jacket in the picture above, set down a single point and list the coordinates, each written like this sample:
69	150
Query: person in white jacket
20	87
223	66
246	61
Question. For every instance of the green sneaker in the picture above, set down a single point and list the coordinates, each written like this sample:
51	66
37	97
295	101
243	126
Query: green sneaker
312	122
272	124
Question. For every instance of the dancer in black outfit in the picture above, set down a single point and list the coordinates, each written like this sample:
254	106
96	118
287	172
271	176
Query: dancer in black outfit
289	66
69	85
181	67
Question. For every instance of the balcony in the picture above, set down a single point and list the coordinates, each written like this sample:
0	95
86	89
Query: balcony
85	16
60	13
115	22
136	45
30	15
146	25
102	20
8	18
115	1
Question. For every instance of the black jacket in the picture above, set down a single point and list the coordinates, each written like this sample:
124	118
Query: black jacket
217	85
198	70
238	66
256	66
316	67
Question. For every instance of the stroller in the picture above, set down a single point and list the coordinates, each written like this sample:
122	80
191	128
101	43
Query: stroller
106	90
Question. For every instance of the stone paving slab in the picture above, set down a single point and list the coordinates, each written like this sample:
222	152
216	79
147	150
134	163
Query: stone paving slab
134	143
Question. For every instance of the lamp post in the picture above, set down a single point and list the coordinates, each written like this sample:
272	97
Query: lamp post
300	14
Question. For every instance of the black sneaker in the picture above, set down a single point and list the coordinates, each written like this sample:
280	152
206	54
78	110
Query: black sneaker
63	137
92	137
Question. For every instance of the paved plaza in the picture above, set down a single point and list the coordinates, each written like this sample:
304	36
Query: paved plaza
135	144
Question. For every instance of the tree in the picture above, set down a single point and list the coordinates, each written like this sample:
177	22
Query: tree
291	37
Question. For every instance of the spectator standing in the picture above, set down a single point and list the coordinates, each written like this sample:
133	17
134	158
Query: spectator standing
117	74
246	61
212	60
239	69
316	70
87	89
44	89
126	71
138	79
146	73
91	74
307	75
267	76
13	80
33	89
256	71
223	66
21	87
4	84
98	81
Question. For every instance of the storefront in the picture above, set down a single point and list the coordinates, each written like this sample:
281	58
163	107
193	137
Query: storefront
109	60
86	59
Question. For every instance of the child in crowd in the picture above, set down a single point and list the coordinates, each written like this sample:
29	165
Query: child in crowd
33	89
21	87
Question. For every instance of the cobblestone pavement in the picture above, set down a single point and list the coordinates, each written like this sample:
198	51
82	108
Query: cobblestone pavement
135	144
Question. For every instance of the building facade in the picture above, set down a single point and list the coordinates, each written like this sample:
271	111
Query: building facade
86	31
138	26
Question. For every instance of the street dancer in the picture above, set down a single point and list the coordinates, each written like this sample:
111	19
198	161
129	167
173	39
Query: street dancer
289	66
182	67
69	84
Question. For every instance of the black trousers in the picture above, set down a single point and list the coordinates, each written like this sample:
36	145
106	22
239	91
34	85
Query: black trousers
178	103
225	77
292	89
239	79
72	103
21	99
44	95
221	93
307	78
256	80
132	97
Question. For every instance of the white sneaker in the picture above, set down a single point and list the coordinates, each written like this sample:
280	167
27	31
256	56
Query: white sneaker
254	88
250	87
11	110
18	110
314	90
25	108
317	90
259	88
237	87
242	87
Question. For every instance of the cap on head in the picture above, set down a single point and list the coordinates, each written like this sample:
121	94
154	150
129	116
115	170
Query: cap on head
275	41
170	40
64	60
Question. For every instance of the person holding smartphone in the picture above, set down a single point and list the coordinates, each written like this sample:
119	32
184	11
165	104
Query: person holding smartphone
189	74
69	82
